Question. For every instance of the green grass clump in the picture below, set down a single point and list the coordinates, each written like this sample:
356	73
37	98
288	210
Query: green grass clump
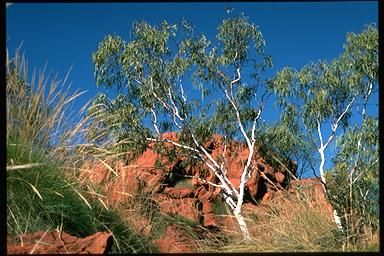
41	199
45	199
42	190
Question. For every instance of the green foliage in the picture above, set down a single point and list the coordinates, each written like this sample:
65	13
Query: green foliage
237	36
40	199
317	91
115	121
59	203
362	54
285	141
324	93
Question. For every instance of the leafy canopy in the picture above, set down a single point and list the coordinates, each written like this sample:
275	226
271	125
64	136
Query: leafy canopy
321	91
149	72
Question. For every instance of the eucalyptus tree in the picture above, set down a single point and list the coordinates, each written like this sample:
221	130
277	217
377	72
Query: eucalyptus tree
353	182
354	188
153	73
324	93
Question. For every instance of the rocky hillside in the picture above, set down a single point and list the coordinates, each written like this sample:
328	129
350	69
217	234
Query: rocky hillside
178	189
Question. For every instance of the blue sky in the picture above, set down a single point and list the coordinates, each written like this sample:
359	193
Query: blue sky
66	35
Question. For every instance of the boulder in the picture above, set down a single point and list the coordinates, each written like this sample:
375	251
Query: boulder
94	172
228	223
149	158
54	242
204	193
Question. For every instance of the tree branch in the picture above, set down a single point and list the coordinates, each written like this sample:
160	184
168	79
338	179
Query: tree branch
266	178
216	167
366	100
232	101
200	179
173	143
155	121
182	92
319	133
335	125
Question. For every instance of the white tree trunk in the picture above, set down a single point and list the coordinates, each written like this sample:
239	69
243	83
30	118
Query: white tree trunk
336	217
243	225
321	167
337	220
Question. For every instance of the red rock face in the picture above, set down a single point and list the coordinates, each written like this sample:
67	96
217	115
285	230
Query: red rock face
144	176
237	155
267	197
53	242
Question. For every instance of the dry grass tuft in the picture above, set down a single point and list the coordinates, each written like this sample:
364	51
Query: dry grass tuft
289	225
37	111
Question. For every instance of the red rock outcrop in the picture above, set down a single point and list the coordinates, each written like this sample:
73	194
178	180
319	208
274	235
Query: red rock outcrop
53	242
121	183
193	199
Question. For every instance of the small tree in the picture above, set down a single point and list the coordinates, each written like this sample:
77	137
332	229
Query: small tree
356	162
149	73
353	183
324	93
